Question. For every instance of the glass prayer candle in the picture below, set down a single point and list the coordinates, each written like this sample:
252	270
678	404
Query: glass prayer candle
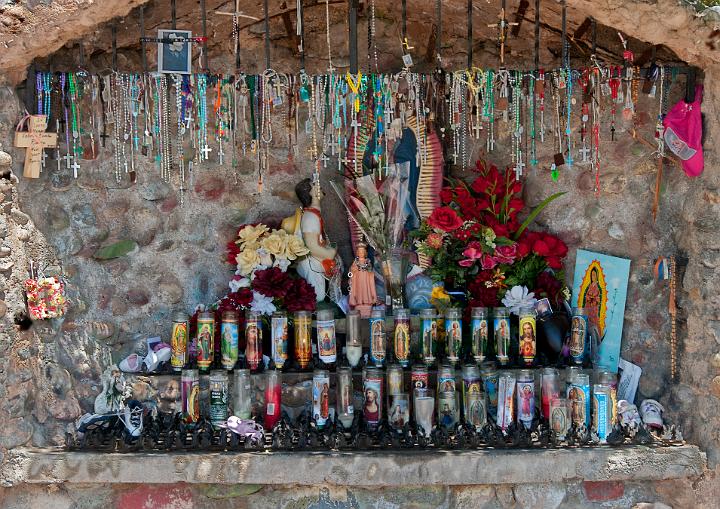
453	334
205	340
344	397
401	336
549	389
279	335
447	408
527	341
218	397
490	381
428	335
353	345
419	377
571	372
242	399
578	335
479	333
501	326
525	391
378	337
601	418
253	339
475	410
321	397
229	340
303	336
273	399
579	396
424	410
611	380
398	410
190	395
395	383
559	417
446	378
471	383
326	342
179	341
506	400
373	396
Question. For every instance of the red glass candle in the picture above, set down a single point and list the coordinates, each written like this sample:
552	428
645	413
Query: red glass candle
273	392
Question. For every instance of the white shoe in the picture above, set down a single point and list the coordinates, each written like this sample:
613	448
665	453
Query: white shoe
132	418
156	357
131	364
651	413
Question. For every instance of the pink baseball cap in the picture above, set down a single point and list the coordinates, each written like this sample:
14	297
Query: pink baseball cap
683	133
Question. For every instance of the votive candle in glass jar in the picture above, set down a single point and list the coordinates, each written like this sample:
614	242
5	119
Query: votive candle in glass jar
479	333
253	339
527	331
302	323
453	334
353	345
501	326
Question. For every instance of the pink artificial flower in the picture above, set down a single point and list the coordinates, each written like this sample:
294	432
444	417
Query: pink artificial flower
506	254
468	262
488	262
474	250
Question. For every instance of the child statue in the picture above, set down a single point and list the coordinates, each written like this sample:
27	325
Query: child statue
363	295
322	265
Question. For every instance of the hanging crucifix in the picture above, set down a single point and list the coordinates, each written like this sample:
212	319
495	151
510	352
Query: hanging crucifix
502	27
35	140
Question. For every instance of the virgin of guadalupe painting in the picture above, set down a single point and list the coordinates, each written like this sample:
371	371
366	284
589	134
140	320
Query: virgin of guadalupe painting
600	287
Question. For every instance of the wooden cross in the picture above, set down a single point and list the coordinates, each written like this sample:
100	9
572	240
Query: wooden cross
502	27
237	13
35	140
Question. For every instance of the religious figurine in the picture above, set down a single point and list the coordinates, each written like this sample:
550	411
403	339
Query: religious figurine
115	392
323	264
363	295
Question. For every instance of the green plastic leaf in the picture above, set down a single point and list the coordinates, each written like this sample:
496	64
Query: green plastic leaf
536	211
116	250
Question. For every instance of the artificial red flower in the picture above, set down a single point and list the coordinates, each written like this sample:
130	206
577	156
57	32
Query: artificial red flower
488	262
480	185
516	205
446	195
554	262
462	234
506	254
271	282
501	230
482	204
547	285
481	295
445	219
300	296
523	248
467	262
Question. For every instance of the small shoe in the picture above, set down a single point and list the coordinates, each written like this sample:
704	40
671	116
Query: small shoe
156	357
651	413
132	418
131	364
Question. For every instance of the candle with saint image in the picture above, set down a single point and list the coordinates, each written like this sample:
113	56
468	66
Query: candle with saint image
549	388
353	346
273	395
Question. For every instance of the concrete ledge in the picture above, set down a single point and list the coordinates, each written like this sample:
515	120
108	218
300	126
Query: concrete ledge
359	469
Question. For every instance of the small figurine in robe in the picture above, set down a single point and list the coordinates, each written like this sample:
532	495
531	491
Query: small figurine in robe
362	282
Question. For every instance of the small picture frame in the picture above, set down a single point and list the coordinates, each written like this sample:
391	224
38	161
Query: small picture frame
175	57
543	307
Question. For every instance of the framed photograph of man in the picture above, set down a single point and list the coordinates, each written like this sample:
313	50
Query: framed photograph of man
174	51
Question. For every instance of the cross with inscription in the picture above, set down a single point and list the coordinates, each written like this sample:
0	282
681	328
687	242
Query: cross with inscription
35	140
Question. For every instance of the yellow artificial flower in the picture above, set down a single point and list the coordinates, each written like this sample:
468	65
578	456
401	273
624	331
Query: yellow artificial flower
439	293
275	243
250	235
295	247
247	260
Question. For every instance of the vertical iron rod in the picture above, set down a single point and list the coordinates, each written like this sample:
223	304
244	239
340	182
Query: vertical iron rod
564	35
470	33
537	34
113	35
352	21
173	14
203	12
404	20
142	39
301	16
438	39
267	34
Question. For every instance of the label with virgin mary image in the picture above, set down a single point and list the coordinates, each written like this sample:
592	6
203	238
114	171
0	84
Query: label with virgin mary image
525	402
579	397
372	404
327	347
205	343
178	342
402	341
253	343
475	412
578	335
502	337
527	339
321	399
378	340
559	421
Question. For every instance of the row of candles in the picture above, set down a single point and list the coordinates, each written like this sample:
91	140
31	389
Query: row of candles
388	340
479	393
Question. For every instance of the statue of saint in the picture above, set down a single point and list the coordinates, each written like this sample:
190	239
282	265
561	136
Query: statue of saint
322	264
363	295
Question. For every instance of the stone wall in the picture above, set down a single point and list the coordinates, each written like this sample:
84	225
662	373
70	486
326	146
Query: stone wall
49	374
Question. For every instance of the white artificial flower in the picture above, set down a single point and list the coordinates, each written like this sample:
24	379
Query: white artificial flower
266	259
236	284
261	304
282	264
519	297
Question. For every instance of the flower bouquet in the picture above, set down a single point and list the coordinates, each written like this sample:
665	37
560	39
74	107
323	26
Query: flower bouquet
45	298
476	240
380	208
